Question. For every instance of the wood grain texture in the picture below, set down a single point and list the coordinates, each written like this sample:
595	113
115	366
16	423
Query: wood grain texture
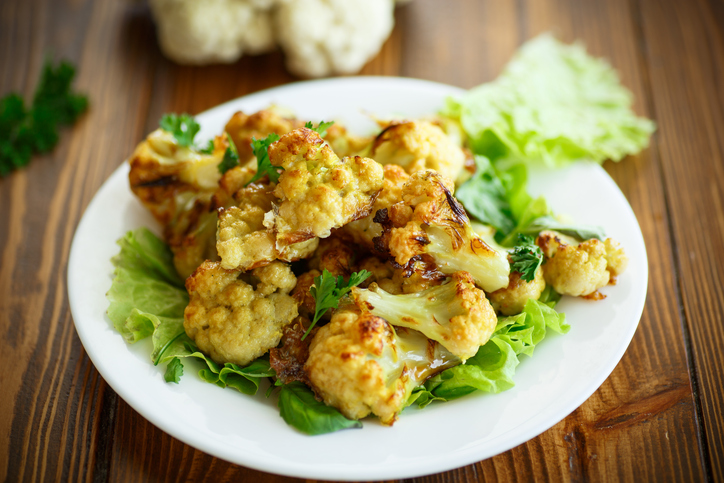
656	418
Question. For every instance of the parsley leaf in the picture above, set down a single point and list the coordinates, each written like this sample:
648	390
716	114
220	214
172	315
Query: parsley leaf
183	127
231	157
526	258
174	371
263	164
321	129
328	290
35	130
209	147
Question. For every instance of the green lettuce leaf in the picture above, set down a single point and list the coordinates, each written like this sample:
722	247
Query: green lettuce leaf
145	284
485	197
554	104
148	298
493	367
300	409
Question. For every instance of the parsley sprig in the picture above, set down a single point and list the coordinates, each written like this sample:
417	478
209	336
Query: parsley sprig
231	157
260	147
35	130
328	290
183	127
526	257
321	129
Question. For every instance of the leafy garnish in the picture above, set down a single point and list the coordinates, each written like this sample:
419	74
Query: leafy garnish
183	127
209	147
493	367
35	130
263	164
300	409
321	129
147	298
526	257
231	157
328	290
553	104
485	197
579	232
174	371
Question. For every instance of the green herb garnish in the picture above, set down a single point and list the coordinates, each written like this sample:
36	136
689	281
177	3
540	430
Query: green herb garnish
24	132
231	157
321	129
328	290
526	258
182	126
263	164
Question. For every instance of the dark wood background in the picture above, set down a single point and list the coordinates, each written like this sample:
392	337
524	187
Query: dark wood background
658	417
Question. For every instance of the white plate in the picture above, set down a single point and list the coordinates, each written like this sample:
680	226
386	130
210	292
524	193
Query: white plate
563	373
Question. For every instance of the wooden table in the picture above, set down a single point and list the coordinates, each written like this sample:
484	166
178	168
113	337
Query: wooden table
658	416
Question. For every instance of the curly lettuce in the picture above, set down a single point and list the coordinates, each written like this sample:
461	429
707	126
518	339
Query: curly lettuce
554	104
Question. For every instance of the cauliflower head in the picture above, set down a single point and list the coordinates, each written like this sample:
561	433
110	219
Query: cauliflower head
244	242
329	37
430	223
237	316
456	314
419	145
359	365
579	269
318	191
192	32
511	299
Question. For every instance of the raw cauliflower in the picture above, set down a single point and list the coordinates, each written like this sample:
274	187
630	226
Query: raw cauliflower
359	365
193	32
318	191
328	37
419	145
237	316
579	269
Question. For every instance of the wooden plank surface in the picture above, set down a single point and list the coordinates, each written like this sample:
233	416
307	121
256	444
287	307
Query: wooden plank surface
658	417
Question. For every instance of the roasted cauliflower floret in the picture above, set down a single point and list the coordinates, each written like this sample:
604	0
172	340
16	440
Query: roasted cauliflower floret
335	256
176	184
359	365
318	191
418	145
511	299
244	242
345	143
237	316
364	231
616	259
455	314
579	269
430	222
242	128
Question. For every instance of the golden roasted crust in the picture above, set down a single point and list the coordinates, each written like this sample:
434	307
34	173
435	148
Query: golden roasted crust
577	270
511	299
243	127
342	369
237	316
419	145
318	192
